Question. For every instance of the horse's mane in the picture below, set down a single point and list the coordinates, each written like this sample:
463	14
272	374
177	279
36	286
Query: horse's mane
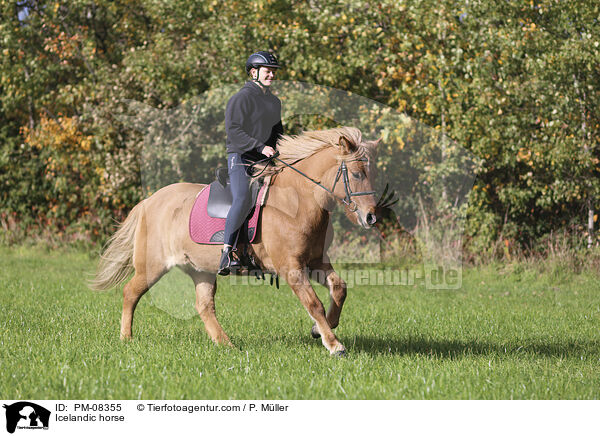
293	148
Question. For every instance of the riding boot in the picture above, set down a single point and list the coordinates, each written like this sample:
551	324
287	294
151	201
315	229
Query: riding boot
228	262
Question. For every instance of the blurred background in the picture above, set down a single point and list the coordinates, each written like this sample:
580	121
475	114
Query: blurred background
504	94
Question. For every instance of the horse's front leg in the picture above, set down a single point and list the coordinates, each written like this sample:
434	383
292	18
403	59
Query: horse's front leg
326	276
297	278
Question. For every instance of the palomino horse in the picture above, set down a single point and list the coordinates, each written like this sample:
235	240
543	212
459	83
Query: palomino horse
316	170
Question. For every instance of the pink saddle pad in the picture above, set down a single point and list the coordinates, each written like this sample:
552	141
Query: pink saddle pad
205	229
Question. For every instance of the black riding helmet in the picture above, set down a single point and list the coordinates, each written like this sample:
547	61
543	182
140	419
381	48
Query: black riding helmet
261	59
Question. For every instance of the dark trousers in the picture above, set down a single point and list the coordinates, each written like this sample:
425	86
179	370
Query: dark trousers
240	190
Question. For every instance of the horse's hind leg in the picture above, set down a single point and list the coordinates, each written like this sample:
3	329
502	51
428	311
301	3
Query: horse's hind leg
149	268
143	280
132	292
206	287
326	276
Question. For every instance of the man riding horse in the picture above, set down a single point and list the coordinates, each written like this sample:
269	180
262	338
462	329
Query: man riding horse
253	125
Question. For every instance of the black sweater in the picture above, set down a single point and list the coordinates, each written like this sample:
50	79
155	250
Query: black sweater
252	121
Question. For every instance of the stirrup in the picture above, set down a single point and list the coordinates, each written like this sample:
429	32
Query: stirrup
227	262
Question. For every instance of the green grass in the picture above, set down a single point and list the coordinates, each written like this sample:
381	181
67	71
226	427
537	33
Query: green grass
508	333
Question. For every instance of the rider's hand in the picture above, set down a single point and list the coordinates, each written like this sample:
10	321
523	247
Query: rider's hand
268	151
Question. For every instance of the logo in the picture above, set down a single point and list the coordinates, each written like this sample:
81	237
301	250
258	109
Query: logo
26	415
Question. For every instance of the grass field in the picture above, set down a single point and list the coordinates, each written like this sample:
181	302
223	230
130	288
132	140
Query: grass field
510	332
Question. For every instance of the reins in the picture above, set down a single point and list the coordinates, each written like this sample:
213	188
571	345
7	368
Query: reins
341	172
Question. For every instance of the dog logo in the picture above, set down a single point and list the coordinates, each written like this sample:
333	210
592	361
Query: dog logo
26	415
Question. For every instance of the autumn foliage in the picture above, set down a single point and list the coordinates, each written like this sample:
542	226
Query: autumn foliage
516	84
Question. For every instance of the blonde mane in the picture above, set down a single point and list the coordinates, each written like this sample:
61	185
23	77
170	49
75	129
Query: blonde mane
293	148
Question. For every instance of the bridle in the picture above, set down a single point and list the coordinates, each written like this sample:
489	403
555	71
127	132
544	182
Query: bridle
342	173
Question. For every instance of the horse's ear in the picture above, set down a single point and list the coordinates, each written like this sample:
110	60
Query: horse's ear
372	145
348	147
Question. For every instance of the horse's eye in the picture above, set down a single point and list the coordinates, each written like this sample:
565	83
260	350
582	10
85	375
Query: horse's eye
356	175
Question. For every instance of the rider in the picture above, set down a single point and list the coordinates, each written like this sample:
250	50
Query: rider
253	125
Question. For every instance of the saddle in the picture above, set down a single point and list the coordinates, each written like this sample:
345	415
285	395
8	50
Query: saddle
220	198
207	218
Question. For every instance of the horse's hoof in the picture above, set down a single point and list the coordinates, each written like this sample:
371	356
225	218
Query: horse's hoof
314	332
340	354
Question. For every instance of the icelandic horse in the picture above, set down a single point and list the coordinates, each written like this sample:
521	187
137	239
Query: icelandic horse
315	171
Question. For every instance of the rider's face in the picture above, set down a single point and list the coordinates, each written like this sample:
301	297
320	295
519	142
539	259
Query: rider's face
266	75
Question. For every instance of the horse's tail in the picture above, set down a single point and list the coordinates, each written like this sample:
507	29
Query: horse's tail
116	263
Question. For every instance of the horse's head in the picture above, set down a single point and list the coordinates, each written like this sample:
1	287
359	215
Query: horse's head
337	165
354	179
